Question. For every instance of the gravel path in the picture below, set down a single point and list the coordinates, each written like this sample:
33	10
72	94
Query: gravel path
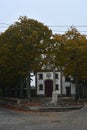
12	120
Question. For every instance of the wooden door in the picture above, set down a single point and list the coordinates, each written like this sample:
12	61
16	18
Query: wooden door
48	88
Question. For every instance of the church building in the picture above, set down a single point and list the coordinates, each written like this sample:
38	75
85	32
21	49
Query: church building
63	85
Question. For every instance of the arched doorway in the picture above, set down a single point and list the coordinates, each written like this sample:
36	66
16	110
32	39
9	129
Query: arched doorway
48	88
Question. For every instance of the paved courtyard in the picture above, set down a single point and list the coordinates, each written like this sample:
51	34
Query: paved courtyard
13	120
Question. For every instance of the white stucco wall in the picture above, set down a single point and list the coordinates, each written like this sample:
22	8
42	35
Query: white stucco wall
67	84
42	81
58	81
73	89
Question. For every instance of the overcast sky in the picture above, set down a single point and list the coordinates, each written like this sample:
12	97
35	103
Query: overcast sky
49	12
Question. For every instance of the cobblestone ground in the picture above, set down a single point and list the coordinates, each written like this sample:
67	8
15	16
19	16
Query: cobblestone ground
12	120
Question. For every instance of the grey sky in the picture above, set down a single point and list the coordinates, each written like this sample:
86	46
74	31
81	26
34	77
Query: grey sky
49	12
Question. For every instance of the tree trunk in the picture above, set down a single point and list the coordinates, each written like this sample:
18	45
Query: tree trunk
16	91
21	86
3	91
28	87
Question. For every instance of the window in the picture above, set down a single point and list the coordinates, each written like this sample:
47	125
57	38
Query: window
40	76
67	79
56	76
41	87
57	86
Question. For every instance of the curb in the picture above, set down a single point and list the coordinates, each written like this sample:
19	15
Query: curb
45	108
52	109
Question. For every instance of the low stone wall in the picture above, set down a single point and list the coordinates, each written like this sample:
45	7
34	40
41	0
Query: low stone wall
14	101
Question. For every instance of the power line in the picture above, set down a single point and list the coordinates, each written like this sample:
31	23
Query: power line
4	23
66	30
54	26
3	27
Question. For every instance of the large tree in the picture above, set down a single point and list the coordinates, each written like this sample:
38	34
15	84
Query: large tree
72	55
23	45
